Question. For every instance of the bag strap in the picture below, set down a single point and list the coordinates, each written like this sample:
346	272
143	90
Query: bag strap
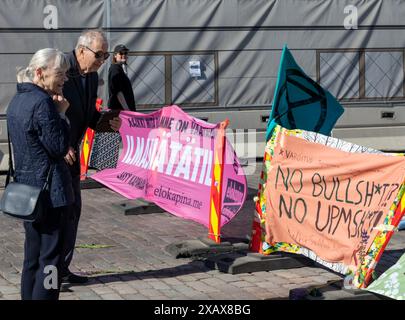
10	172
48	178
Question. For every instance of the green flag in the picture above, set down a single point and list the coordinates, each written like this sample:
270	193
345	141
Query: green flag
299	102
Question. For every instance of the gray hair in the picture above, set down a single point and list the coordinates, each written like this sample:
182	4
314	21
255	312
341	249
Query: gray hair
43	58
88	36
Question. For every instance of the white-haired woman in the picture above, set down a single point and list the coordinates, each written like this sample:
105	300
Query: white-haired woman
39	133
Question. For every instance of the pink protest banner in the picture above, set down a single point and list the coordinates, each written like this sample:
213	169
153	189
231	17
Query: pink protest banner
167	158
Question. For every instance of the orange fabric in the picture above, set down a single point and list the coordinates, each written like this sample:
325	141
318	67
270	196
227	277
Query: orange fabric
329	200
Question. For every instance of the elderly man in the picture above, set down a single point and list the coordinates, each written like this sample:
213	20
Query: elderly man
81	92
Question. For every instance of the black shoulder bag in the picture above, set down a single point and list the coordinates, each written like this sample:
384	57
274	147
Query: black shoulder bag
20	200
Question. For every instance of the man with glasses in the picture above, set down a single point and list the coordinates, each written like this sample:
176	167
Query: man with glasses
81	92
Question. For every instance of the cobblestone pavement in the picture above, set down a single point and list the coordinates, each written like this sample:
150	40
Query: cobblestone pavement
134	263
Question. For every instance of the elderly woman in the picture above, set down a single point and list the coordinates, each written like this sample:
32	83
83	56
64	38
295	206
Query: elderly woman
39	133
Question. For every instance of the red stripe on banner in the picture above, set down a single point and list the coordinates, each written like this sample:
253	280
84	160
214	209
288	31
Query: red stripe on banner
87	145
215	198
216	190
256	237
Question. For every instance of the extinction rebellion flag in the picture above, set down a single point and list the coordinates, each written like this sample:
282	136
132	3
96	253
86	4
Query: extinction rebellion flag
301	103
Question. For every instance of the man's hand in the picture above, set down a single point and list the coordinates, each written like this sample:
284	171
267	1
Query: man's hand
70	157
115	123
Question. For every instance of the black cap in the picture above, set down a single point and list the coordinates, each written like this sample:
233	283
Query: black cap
120	48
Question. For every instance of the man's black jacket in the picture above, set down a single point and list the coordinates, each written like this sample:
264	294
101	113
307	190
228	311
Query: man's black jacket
82	111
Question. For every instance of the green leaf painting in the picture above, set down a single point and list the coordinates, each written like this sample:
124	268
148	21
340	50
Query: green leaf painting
392	282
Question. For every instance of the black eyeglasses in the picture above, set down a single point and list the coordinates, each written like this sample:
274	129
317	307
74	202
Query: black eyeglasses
123	53
99	54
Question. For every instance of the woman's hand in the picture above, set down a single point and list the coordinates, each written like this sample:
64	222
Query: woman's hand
61	103
70	157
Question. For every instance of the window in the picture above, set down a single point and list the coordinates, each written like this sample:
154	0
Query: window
160	79
339	73
147	75
384	74
188	89
369	74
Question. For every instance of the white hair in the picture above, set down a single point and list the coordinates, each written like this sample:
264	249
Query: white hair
88	36
43	58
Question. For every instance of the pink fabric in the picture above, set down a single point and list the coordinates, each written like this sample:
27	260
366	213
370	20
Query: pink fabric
167	158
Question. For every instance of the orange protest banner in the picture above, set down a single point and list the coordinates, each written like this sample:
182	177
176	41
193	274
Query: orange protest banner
337	203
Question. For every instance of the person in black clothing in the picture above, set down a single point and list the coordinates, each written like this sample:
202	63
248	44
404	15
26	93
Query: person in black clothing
39	132
121	96
105	151
81	92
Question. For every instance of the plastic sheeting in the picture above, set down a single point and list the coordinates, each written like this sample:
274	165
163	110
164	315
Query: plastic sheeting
241	39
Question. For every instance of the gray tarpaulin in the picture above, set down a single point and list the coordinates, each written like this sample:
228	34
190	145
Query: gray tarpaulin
237	42
243	39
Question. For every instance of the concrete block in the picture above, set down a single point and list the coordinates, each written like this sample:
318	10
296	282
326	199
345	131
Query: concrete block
211	243
203	247
241	247
89	183
197	247
137	206
235	263
343	295
332	291
184	249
